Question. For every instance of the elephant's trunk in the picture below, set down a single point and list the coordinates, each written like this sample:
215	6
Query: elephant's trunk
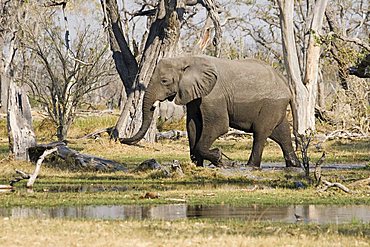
149	105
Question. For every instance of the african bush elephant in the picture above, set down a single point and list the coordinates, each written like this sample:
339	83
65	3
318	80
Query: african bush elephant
247	95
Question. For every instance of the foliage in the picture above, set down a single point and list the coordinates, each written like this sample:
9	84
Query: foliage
351	107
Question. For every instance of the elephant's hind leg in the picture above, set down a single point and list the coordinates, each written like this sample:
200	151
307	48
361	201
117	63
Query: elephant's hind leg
263	127
281	135
259	140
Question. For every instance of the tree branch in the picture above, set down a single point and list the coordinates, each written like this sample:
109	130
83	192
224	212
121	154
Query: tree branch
34	175
213	10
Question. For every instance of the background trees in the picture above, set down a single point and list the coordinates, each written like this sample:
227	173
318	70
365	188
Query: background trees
60	72
63	62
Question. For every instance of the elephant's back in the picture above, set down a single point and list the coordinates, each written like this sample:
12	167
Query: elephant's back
252	78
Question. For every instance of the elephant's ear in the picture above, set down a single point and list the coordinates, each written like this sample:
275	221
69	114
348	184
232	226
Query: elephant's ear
198	79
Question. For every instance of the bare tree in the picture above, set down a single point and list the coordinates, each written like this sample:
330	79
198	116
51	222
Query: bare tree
160	40
61	73
8	30
12	97
302	78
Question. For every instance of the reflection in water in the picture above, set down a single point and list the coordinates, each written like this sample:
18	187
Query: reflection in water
310	213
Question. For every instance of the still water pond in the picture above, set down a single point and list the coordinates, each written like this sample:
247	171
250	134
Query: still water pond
306	213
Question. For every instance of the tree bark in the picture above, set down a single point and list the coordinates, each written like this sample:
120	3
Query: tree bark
304	89
161	42
4	87
19	121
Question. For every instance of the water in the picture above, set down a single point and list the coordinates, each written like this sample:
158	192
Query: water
321	214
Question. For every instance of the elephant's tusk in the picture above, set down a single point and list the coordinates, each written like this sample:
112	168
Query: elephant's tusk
156	104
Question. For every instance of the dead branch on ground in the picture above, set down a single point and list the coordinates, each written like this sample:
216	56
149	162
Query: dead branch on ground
76	160
98	133
171	134
328	185
344	134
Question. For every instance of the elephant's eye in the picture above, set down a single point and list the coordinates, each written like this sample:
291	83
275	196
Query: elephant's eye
185	68
165	81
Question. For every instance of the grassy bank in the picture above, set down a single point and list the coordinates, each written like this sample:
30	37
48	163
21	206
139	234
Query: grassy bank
16	232
271	187
59	186
229	195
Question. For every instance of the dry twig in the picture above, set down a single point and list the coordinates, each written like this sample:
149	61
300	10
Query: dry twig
17	179
317	173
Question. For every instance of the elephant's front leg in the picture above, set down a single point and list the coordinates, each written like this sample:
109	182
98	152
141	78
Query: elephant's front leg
194	129
215	122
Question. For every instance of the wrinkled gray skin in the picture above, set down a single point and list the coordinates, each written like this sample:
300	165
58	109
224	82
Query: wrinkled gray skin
247	95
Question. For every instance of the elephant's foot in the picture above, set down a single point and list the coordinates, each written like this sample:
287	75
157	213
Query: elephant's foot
198	161
253	165
213	155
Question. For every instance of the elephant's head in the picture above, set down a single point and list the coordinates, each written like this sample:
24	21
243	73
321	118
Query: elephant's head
181	79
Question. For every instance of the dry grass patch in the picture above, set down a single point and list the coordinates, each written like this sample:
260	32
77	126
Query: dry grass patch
50	232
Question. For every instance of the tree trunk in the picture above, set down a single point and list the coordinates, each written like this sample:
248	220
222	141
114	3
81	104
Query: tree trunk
19	120
321	92
4	88
304	90
161	42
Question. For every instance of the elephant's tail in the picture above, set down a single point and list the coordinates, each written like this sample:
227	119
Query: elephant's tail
294	110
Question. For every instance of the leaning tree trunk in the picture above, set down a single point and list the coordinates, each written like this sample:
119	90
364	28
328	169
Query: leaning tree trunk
304	89
161	42
19	121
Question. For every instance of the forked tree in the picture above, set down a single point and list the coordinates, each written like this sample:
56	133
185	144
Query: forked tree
302	79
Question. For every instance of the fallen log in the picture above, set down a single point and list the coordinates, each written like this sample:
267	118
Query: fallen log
171	134
74	159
